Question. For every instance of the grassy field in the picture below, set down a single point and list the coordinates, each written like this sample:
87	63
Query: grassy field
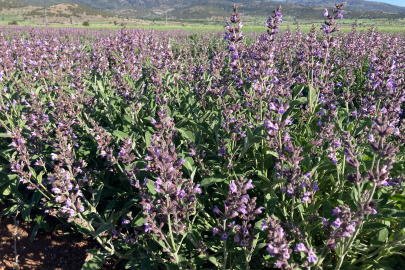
306	26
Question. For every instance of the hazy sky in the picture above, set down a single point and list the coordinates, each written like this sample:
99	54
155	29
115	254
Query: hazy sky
393	2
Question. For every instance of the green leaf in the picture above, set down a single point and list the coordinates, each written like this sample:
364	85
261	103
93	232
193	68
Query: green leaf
148	138
298	89
312	96
97	194
103	228
327	210
298	101
187	134
94	263
380	237
9	210
34	232
212	180
213	260
398	197
134	263
373	226
270	204
189	164
402	225
121	135
3	135
272	153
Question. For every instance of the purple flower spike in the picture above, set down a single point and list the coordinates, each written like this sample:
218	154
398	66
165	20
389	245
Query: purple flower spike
216	210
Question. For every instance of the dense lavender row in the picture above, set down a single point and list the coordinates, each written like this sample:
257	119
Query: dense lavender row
178	150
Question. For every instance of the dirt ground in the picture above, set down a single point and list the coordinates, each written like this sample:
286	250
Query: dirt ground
49	250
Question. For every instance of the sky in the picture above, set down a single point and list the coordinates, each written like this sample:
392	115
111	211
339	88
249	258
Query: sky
400	3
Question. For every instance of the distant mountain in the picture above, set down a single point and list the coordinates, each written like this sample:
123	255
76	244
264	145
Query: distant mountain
351	4
7	4
359	5
219	9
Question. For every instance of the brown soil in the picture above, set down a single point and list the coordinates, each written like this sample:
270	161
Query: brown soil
49	250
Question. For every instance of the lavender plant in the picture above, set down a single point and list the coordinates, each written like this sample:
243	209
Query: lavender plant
204	151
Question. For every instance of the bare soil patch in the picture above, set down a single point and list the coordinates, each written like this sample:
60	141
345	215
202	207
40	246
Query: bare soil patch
49	250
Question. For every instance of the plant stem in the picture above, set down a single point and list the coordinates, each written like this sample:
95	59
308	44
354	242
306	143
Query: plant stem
292	209
225	251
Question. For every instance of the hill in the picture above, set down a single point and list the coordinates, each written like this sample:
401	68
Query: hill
116	5
359	5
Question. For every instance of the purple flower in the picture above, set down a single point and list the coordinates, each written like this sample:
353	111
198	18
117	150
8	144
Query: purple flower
147	227
232	187
335	211
337	223
125	221
259	210
337	142
236	239
224	237
181	161
249	184
325	222
215	231
300	248
350	228
242	210
245	198
281	232
311	256
192	152
333	157
265	225
216	210
153	121
197	189
181	193
326	13
271	250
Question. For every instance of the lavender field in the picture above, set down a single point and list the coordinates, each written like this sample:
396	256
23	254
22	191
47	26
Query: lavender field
183	150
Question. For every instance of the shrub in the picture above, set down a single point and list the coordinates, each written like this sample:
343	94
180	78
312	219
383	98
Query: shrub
13	23
86	23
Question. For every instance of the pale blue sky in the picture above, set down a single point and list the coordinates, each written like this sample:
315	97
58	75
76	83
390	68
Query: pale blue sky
400	3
